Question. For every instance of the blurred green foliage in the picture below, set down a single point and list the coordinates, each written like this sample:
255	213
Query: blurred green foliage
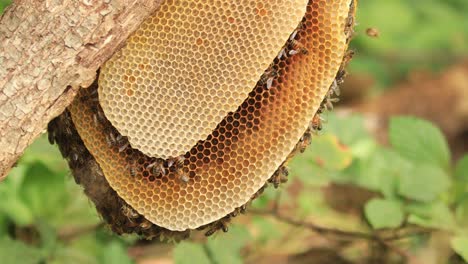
3	4
414	179
413	35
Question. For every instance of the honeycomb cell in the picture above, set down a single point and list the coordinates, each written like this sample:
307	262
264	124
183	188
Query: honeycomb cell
240	154
189	65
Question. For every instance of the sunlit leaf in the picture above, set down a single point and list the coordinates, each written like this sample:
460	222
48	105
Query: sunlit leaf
188	253
433	215
460	245
226	249
3	4
17	211
424	183
115	253
14	251
461	170
461	212
382	172
419	141
329	153
384	213
348	129
267	230
43	191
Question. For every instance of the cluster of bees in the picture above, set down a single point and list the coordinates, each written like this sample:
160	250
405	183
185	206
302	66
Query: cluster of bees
157	167
293	47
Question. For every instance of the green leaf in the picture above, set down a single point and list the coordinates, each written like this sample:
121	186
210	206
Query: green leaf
327	152
14	208
48	236
17	211
226	249
423	183
115	253
267	230
188	253
66	254
382	172
3	4
14	251
43	191
433	215
419	140
461	170
384	213
460	246
3	225
305	205
461	212
349	129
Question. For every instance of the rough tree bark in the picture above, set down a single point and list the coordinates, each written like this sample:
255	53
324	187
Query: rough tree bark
48	50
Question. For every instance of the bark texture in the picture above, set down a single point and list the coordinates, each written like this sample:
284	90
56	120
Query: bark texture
49	49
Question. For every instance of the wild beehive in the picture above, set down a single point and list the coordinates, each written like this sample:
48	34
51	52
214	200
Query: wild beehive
203	106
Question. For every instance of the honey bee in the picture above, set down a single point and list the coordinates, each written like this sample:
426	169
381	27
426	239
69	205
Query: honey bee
335	88
90	96
129	212
350	23
305	141
179	162
347	57
184	178
110	139
282	54
51	136
293	35
243	209
297	47
258	193
340	76
372	32
157	168
280	176
328	103
74	156
268	77
176	164
95	120
145	225
100	115
68	131
132	171
316	123
124	146
222	224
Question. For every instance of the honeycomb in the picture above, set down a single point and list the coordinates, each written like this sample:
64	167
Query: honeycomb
188	66
222	171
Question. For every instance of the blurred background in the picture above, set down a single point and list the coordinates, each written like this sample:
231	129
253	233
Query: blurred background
386	181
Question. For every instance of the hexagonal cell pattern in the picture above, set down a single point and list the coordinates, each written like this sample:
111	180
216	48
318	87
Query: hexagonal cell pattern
241	153
188	66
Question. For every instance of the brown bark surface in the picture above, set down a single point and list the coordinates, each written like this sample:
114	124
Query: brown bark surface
48	50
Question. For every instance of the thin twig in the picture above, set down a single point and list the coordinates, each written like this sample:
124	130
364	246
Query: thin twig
314	227
375	236
72	234
401	252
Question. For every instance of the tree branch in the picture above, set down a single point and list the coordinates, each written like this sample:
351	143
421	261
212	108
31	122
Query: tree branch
48	50
379	237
